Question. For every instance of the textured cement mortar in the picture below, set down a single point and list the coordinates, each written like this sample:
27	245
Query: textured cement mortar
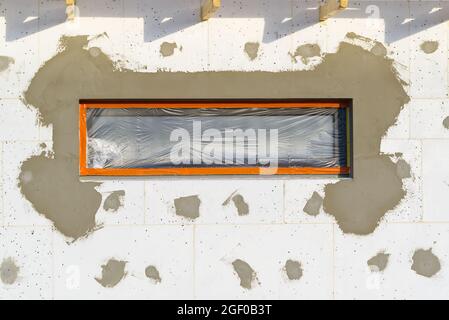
358	204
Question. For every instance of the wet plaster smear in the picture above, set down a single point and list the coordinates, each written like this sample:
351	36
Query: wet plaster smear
358	204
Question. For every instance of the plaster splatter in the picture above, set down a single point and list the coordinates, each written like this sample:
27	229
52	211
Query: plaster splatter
429	47
168	48
403	169
446	123
252	50
5	62
379	262
152	273
313	205
245	273
241	205
188	207
293	269
425	263
375	47
9	271
228	199
306	52
112	273
358	204
114	201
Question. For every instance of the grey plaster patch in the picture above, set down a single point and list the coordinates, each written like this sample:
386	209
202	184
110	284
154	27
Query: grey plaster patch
429	47
306	52
9	271
293	269
446	123
239	202
188	207
379	262
252	49
403	169
114	201
241	205
152	273
112	273
167	48
313	205
245	273
360	203
5	62
425	263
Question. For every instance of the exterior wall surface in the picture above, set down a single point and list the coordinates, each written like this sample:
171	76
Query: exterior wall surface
141	248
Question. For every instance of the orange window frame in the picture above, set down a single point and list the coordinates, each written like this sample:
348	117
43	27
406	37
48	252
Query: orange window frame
200	104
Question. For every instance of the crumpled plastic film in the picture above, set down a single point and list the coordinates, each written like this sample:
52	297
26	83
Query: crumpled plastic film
221	137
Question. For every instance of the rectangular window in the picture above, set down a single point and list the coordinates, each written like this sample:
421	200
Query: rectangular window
215	137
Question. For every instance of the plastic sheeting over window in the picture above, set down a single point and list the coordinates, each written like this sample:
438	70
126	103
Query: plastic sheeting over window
214	138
